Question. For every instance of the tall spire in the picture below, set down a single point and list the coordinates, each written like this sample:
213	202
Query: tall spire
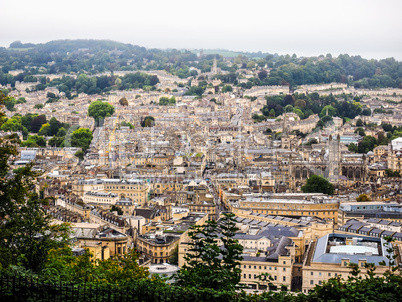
215	66
285	127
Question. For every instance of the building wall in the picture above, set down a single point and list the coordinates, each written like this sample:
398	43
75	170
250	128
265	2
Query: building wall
321	210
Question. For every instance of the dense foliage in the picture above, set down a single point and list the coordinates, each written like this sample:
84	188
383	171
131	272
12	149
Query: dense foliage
318	184
26	235
99	56
99	110
81	138
304	105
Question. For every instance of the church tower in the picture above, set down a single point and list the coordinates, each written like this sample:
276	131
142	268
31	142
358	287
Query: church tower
215	66
334	156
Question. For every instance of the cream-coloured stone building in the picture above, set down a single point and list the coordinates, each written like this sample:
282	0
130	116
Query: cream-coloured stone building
331	255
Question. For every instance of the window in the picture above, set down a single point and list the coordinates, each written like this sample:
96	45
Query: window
249	276
275	278
319	282
284	262
311	273
245	276
319	274
284	269
345	263
275	268
311	282
329	274
284	279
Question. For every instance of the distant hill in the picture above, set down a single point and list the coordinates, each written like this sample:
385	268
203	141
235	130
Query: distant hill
229	53
64	46
98	56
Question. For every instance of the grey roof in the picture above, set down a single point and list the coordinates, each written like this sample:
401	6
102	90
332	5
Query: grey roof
280	248
398	235
321	255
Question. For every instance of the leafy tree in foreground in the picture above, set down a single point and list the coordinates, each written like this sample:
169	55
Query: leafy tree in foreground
318	184
26	234
61	265
209	265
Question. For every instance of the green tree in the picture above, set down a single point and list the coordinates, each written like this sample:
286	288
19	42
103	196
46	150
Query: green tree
262	75
360	131
127	124
386	127
362	197
34	141
209	265
44	130
149	121
353	148
12	125
167	101
99	110
26	234
81	138
359	123
312	141
79	154
390	173
56	141
123	101
117	209
61	132
118	269
38	106
37	122
331	111
227	88
299	113
54	126
318	184
367	144
320	124
21	100
10	102
366	112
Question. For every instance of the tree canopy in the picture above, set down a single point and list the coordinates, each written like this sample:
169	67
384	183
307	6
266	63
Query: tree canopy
123	101
99	110
318	184
81	138
26	235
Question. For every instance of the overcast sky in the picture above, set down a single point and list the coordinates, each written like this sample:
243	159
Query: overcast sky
370	28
